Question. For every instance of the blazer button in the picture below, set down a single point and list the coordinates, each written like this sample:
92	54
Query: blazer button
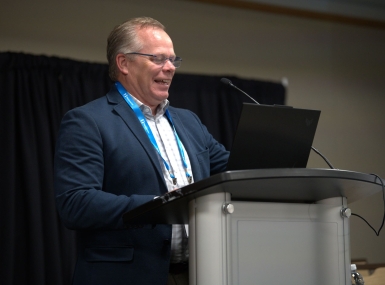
167	242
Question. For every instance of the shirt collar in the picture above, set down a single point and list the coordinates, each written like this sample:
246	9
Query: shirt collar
146	110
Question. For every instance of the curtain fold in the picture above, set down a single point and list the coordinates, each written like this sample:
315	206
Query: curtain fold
35	93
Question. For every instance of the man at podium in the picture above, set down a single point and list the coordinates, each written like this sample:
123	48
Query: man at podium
124	149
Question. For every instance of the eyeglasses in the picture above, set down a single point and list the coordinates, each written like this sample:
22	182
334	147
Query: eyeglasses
161	60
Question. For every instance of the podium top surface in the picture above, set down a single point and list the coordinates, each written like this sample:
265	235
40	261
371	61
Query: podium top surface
265	185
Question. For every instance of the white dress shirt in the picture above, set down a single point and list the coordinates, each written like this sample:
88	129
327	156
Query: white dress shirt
169	150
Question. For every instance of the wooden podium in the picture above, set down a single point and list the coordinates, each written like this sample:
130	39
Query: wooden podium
265	226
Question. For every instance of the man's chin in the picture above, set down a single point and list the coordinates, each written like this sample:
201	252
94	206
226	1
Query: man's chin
161	96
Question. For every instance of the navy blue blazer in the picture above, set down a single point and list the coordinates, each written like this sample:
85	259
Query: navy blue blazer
105	165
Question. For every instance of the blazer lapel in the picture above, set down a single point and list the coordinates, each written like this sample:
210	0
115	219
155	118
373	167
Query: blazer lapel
133	124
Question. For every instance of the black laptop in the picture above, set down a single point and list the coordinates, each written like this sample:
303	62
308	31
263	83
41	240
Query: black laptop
273	137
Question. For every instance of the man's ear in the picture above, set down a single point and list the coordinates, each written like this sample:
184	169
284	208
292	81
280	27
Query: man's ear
122	63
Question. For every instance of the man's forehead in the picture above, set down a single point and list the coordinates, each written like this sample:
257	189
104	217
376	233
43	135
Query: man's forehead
153	37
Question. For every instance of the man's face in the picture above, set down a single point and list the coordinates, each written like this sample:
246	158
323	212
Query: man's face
146	80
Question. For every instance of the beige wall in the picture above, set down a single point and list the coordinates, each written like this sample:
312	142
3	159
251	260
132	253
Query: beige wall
335	68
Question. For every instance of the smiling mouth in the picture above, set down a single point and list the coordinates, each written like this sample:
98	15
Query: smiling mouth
163	81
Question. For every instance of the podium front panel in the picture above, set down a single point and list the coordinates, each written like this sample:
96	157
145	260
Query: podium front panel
268	243
282	243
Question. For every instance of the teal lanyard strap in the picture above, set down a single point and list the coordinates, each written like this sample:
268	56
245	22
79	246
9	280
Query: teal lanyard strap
131	102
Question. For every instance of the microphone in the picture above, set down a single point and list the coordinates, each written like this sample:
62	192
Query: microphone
228	82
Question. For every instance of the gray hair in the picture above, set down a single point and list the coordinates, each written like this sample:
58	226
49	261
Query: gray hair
123	39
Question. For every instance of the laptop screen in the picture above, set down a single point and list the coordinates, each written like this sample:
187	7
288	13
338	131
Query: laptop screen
273	137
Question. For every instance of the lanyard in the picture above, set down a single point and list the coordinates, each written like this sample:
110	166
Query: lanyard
131	102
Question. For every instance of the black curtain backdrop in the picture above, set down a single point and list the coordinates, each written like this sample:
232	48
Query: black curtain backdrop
35	93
